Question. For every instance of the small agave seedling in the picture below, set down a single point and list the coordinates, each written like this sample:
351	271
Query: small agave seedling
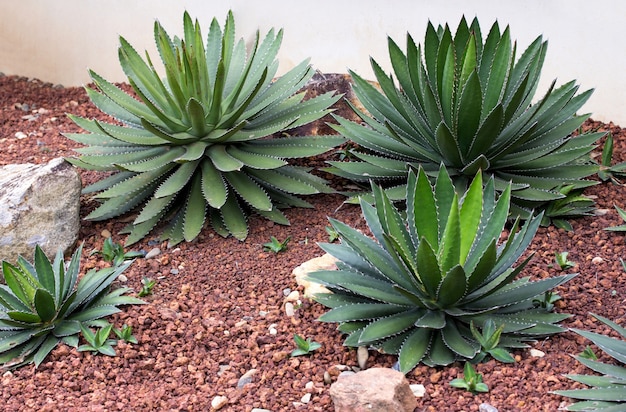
469	104
44	303
471	380
194	145
607	392
416	288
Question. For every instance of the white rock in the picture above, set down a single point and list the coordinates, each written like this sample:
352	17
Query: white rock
324	262
39	205
418	390
289	309
362	355
219	402
122	278
153	253
21	135
293	296
536	353
597	260
306	398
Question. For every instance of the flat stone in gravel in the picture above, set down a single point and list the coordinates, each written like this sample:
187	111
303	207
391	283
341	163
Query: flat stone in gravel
39	205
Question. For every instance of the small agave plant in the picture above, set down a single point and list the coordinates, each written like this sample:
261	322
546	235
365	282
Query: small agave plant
44	303
193	146
469	105
426	278
607	392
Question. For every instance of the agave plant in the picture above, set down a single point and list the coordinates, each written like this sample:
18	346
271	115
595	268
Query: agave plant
42	305
426	278
468	105
607	392
193	146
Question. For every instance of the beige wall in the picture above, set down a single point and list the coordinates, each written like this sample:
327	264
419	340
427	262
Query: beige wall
57	41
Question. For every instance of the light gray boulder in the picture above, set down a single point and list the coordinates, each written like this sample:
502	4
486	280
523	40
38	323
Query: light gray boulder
39	205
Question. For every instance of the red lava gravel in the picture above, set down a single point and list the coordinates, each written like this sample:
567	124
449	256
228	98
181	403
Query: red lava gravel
217	310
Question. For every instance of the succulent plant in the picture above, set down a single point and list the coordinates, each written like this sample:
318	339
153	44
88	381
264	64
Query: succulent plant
417	287
44	303
607	392
468	105
195	145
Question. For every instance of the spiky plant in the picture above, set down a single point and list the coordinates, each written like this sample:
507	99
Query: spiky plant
416	289
194	145
44	303
607	392
468	104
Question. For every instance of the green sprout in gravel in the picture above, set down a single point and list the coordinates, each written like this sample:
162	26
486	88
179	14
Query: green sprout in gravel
607	392
562	261
195	145
275	245
114	252
304	346
98	341
43	303
469	102
125	334
434	270
147	284
489	340
471	381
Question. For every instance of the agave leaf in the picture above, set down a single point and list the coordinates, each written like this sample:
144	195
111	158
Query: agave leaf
388	326
452	288
360	311
10	301
177	180
22	285
233	218
468	120
46	347
457	342
195	210
612	394
44	305
614	372
439	353
432	320
414	348
249	191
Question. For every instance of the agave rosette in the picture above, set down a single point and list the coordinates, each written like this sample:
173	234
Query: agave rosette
417	287
469	105
194	145
44	303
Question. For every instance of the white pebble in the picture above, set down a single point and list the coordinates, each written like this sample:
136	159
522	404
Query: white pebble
596	260
418	390
272	329
306	398
153	253
362	355
219	402
21	135
293	296
309	385
122	278
289	310
536	353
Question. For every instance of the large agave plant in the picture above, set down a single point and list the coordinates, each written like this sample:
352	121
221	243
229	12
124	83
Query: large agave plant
468	104
417	288
42	305
193	146
607	392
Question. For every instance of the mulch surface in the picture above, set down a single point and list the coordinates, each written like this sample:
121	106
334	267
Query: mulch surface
209	318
